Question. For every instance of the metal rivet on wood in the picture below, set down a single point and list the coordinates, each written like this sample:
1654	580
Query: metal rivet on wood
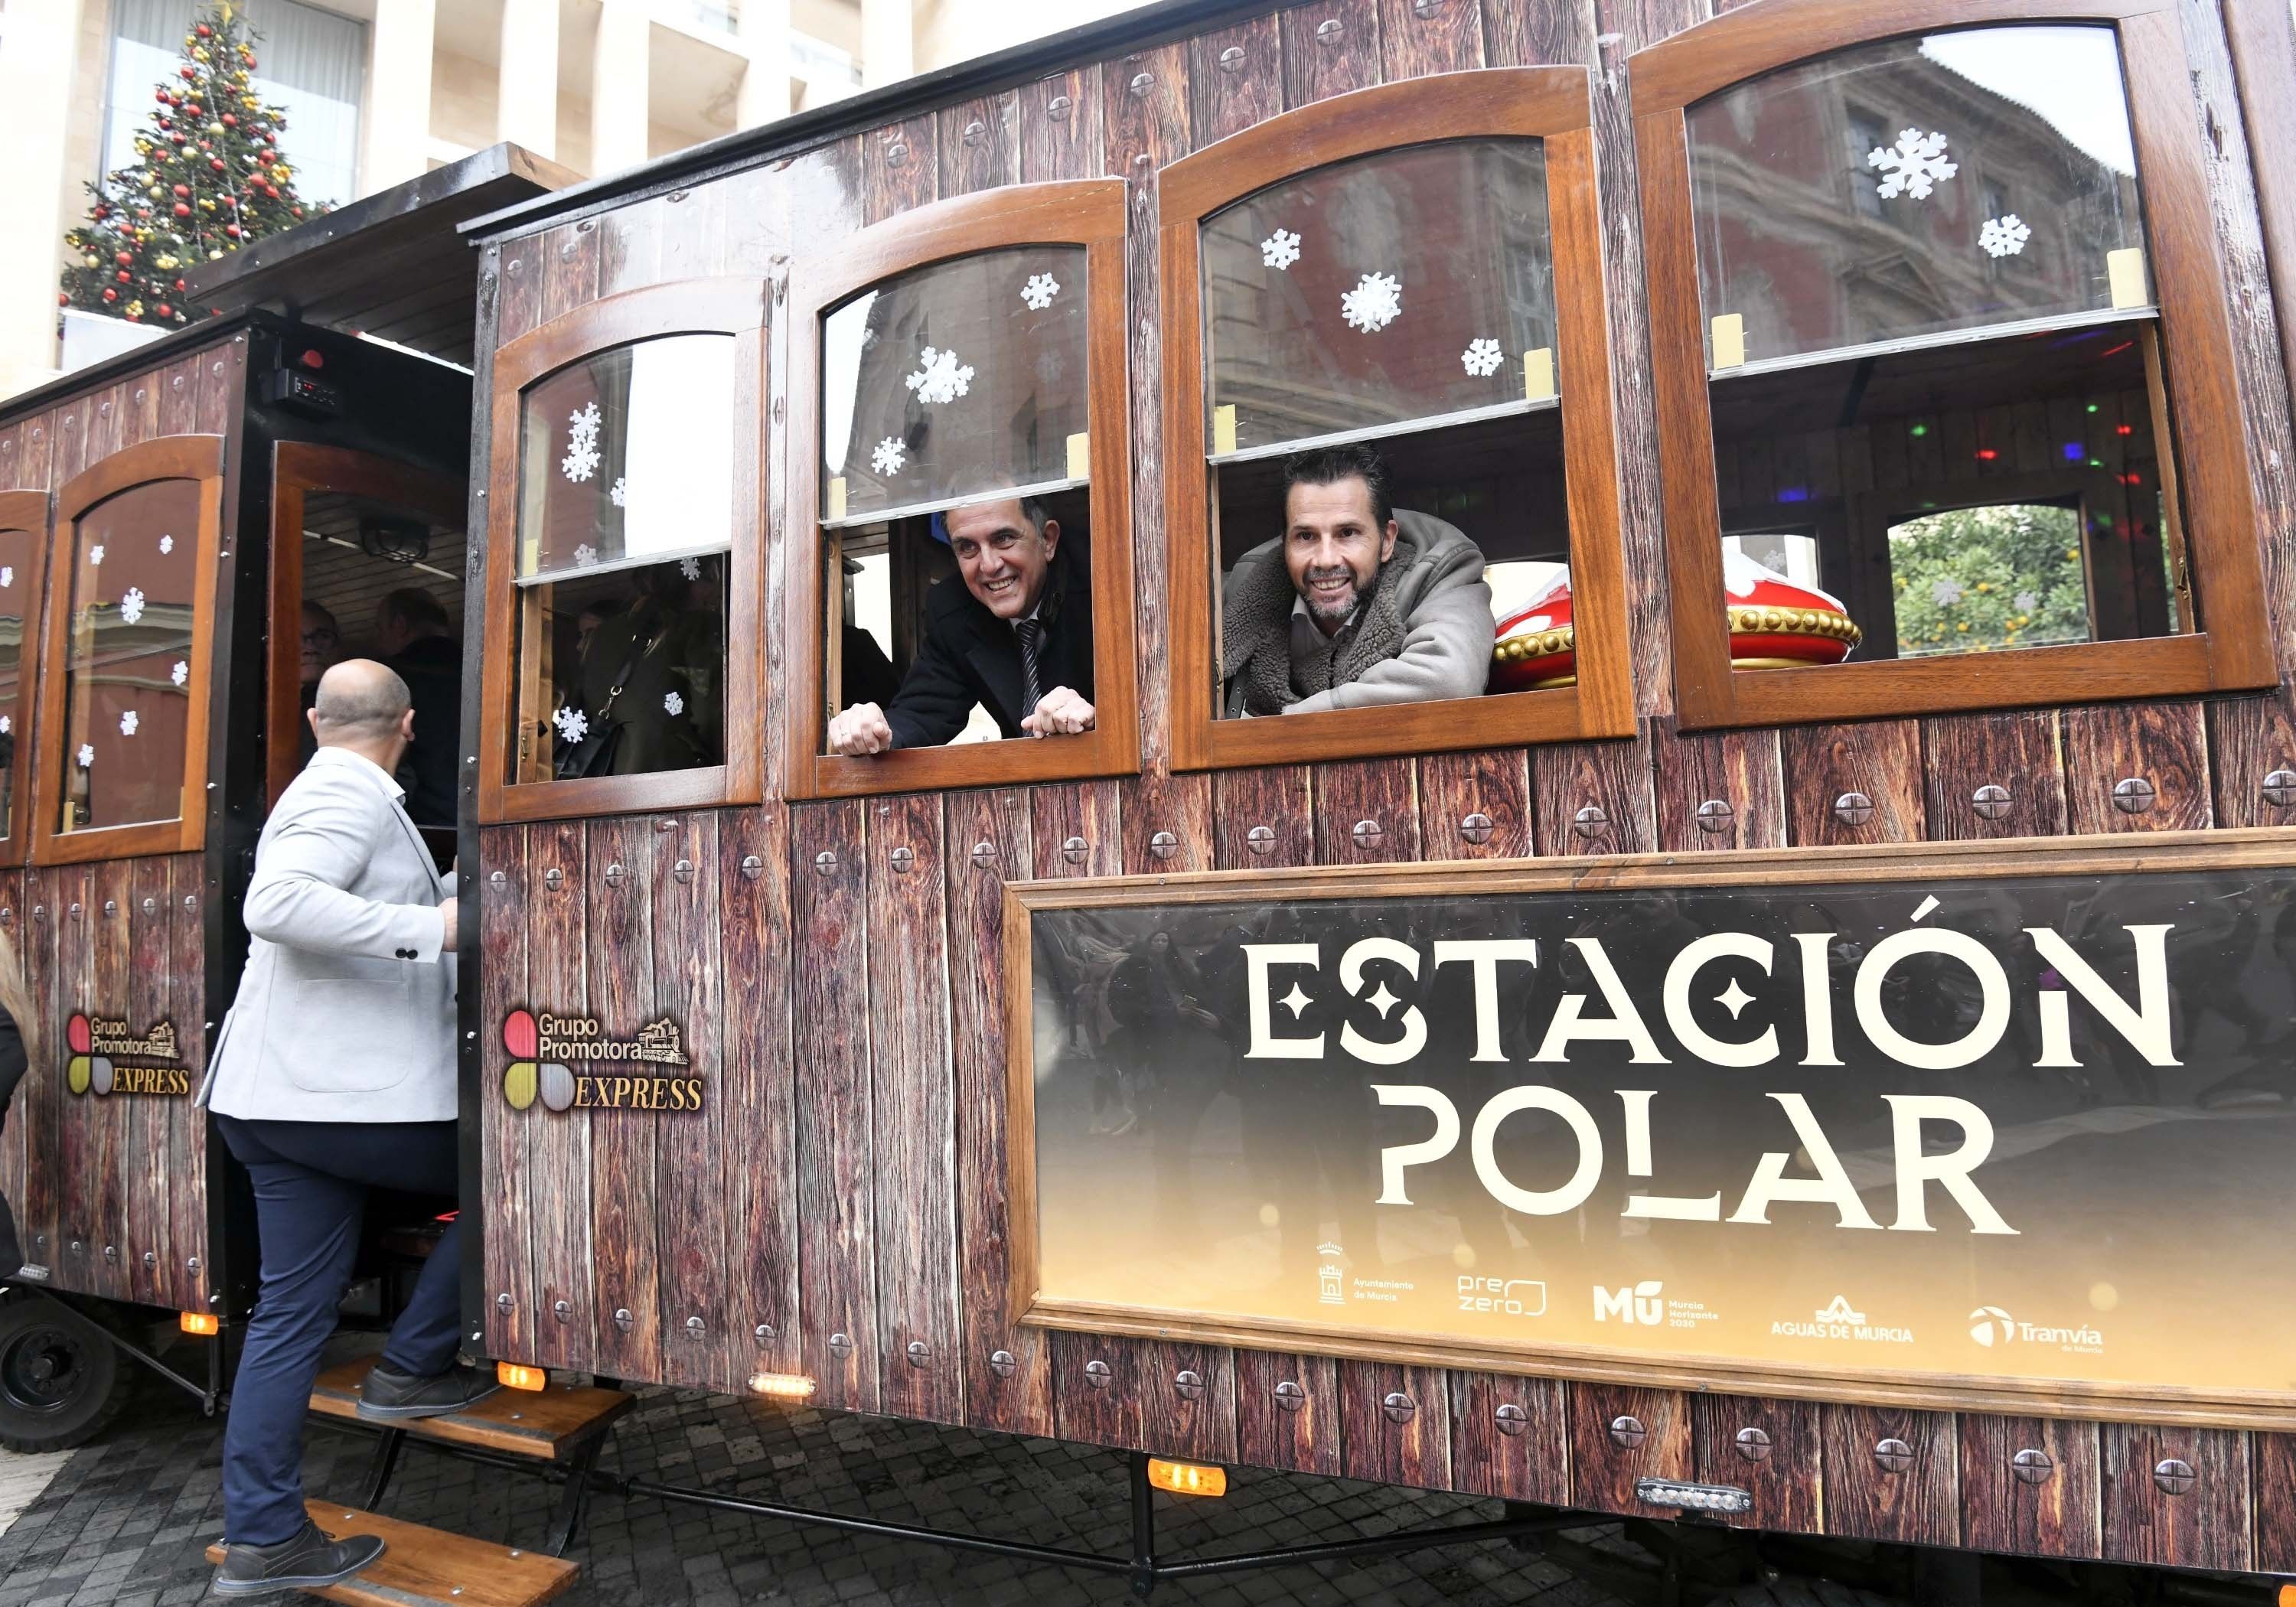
112	906
984	854
2029	1467
2280	789
696	1327
1399	1407
1715	815
1511	1419
1059	107
111	1254
499	882
1628	1431
616	874
1290	1397
919	1353
665	822
1328	31
1261	840
1188	1383
1991	801
1893	1456
842	1343
904	859
563	1310
75	911
762	1333
1142	83
190	901
752	867
1426	8
1098	1376
502	1302
1367	833
151	906
1752	1444
2133	795
897	153
39	912
1230	60
7	917
78	1247
1590	821
1163	845
150	1257
824	863
2175	1476
683	870
623	1320
1853	808
975	132
554	879
1475	827
192	1265
1003	1364
1074	849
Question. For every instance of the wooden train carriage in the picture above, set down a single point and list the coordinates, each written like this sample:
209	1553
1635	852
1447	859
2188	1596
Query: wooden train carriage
813	949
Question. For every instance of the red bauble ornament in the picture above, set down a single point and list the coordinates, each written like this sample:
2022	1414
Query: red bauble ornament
204	31
216	162
1775	622
182	208
111	295
163	97
297	210
229	121
124	275
165	311
183	191
272	191
249	60
179	284
194	109
122	259
63	297
232	229
190	74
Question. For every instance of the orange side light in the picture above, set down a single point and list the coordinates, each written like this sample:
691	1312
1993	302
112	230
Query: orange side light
512	1376
1187	1478
199	1322
783	1386
2287	1596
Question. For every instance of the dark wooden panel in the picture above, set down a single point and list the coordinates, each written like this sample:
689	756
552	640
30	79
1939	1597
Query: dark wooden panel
1296	1427
623	1184
1395	1425
759	1094
517	308
2249	738
2275	1504
1613	777
570	262
39	1102
1273	802
1166	805
187	1180
1235	78
2061	1516
1605	1460
836	1175
1920	1504
1367	812
1454	787
691	1156
899	169
1780	1459
558	1154
1879	759
1330	47
630	244
2161	745
979	144
1524	1457
1077	829
76	1171
151	1202
1187	1400
1738	769
1059	126
2205	1527
13	924
915	1140
506	913
2016	751
105	924
1416	39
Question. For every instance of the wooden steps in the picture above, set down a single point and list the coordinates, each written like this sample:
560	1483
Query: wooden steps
550	1425
431	1568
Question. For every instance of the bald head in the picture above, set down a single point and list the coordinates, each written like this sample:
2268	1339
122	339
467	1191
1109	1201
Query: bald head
360	701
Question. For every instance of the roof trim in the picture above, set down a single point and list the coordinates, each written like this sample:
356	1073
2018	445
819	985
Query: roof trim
148	357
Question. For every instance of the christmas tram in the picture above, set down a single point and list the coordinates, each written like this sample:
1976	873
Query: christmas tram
1516	747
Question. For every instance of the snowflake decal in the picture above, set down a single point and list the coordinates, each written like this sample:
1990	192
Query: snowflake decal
1913	167
674	703
1482	358
131	606
181	673
128	721
691	567
166	546
1946	593
2005	236
889	456
95	556
1039	292
1375	302
584	555
620	495
86	755
1280	250
572	723
581	459
940	377
7	575
2027	601
6	724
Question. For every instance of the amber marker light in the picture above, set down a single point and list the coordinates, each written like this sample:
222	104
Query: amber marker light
783	1386
510	1375
1187	1478
199	1322
2286	1596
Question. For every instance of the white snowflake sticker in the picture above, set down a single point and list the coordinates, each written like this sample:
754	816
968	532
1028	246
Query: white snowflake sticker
1375	302
166	546
131	606
95	556
1482	358
581	459
673	702
181	673
1039	292
620	495
939	377
584	555
86	755
572	723
1280	250
128	720
6	724
1946	593
7	575
2027	601
2005	236
889	456
1913	167
691	567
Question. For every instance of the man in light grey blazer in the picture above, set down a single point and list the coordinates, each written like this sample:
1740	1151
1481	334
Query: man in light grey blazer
335	1073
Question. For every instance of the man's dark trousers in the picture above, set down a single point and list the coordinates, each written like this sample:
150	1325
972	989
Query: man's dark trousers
311	1179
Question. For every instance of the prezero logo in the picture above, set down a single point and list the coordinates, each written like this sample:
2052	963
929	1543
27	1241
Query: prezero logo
1990	1325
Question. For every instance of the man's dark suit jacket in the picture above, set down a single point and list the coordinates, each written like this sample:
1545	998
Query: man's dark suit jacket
970	656
432	670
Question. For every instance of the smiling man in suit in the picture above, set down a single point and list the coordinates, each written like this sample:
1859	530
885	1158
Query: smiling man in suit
335	1074
1010	631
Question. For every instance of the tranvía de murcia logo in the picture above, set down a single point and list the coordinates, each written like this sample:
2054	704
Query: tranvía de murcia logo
1991	1326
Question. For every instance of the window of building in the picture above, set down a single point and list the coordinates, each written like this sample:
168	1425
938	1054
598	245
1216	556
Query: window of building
968	494
23	540
1970	407
1404	428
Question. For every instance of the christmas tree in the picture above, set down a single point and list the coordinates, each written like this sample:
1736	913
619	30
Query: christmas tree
209	178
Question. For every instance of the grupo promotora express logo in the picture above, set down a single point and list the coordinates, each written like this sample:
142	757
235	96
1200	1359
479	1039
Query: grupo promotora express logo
569	1063
108	1057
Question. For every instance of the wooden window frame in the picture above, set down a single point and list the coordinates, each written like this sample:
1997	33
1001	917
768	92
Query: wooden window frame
198	458
26	511
1083	212
298	470
1553	105
734	307
2218	509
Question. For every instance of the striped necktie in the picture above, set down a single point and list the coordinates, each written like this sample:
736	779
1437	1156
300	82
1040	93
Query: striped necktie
1032	636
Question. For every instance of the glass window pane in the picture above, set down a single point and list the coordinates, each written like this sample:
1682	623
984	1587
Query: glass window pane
627	458
958	379
1407	285
127	686
16	606
1996	575
1918	185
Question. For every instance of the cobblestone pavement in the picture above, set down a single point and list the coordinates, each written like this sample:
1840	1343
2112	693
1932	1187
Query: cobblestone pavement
124	1520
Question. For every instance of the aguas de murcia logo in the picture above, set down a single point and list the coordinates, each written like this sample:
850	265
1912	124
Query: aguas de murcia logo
648	1071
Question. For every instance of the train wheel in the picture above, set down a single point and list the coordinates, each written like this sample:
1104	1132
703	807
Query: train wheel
60	1385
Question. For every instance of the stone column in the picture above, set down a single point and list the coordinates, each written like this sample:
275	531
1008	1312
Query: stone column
618	87
398	141
36	52
526	98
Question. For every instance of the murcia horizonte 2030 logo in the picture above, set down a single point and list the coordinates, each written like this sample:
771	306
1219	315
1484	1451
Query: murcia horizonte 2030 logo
647	1072
108	1057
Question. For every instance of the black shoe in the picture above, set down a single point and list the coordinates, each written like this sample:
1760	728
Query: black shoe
388	1395
308	1561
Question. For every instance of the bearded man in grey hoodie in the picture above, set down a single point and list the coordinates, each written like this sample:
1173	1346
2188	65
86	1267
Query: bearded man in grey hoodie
1357	603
